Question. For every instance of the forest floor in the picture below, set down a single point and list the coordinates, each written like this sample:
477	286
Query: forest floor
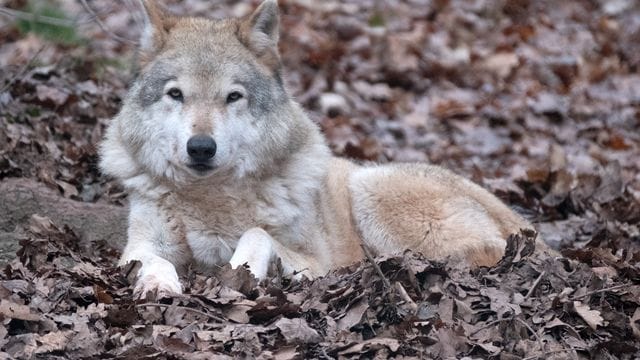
538	101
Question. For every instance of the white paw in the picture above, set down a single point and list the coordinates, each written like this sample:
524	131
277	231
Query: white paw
259	269
254	249
157	279
299	275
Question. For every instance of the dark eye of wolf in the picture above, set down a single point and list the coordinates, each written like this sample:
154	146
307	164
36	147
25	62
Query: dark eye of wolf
175	94
233	97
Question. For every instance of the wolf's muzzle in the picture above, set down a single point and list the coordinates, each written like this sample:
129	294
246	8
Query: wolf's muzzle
201	148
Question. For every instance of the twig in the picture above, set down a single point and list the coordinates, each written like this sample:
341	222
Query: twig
599	291
24	69
535	284
488	326
369	257
385	281
102	26
17	14
540	343
404	296
195	311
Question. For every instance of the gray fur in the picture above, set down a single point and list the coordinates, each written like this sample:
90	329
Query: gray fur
264	93
151	83
267	20
264	28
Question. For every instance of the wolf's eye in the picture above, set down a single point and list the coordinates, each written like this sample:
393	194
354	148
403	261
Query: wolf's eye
233	97
175	94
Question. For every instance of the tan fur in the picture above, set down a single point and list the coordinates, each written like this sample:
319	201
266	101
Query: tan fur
276	191
336	208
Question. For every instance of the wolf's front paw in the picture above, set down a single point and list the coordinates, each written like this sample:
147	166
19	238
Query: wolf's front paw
154	287
157	279
254	249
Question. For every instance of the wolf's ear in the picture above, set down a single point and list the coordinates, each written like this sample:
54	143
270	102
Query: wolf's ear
262	28
156	26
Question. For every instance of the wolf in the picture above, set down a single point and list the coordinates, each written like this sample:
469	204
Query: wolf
223	166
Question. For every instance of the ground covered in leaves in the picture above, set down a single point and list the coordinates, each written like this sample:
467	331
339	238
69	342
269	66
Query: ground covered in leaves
62	301
536	100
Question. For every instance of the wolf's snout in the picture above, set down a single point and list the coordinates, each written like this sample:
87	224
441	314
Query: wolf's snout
201	148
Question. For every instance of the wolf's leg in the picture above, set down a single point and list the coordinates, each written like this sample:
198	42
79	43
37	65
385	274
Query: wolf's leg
255	248
152	243
258	249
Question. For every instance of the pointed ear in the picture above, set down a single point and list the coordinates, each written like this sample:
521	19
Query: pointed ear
156	26
262	28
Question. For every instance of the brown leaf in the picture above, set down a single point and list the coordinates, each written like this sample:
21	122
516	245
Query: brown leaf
173	345
379	91
239	279
238	311
297	331
559	323
54	341
102	295
501	303
557	158
591	317
52	95
68	190
612	185
502	63
11	310
286	353
22	346
403	47
353	315
371	344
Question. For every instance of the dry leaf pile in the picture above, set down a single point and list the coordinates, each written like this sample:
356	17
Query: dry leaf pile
61	301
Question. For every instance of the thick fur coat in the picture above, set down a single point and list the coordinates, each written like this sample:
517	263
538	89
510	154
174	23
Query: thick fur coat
222	166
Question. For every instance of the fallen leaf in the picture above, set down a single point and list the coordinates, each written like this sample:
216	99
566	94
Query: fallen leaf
635	323
591	317
50	94
353	315
502	64
391	344
297	331
54	341
12	310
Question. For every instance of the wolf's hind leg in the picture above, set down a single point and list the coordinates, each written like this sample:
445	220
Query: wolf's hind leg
255	248
426	209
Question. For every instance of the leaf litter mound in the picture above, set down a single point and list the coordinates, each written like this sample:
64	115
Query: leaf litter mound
63	301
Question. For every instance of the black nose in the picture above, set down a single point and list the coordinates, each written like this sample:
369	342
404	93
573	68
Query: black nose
201	148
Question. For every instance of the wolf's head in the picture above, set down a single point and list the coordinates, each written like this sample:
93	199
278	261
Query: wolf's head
209	99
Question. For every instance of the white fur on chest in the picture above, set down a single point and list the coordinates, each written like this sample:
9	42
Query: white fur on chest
215	219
